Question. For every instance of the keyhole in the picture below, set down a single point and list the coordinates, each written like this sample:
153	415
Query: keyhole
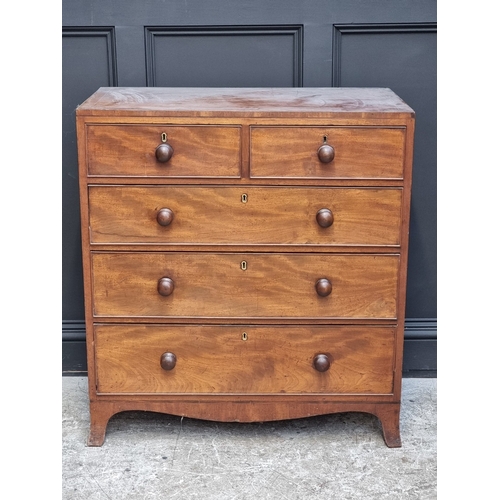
324	139
163	137
244	336
243	265
244	198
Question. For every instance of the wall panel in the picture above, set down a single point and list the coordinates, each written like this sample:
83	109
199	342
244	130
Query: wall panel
403	58
88	62
224	57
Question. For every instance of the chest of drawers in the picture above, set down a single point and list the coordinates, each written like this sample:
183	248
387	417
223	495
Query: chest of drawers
245	252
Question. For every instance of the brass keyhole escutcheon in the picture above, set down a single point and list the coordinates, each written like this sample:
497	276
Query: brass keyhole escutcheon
243	265
244	198
244	336
164	137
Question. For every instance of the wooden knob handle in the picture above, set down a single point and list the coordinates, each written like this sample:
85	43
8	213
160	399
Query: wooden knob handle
323	287
324	217
321	362
165	286
168	360
165	216
326	153
164	152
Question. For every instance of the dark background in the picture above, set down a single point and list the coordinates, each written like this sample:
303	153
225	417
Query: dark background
259	43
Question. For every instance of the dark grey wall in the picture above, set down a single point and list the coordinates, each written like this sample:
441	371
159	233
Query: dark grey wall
311	43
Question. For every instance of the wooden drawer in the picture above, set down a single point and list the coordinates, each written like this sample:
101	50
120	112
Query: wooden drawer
129	150
360	152
216	359
277	216
204	285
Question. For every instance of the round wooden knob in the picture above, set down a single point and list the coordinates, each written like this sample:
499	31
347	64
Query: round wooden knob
321	362
164	152
164	216
168	360
323	287
324	217
326	153
165	286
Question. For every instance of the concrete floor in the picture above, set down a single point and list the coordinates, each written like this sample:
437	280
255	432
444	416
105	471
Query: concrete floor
152	456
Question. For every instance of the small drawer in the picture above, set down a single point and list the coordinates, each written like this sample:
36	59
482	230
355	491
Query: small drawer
248	359
327	152
244	215
233	285
163	151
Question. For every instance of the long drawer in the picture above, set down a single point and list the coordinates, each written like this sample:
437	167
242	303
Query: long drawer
244	285
244	215
249	359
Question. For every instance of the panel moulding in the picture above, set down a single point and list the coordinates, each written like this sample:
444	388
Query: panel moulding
349	29
152	32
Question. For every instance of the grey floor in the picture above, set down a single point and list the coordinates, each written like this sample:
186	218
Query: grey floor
153	456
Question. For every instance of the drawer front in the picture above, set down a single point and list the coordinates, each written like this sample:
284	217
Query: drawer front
277	216
359	152
231	285
130	150
216	359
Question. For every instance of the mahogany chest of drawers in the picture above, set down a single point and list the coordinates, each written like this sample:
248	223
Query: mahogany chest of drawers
245	252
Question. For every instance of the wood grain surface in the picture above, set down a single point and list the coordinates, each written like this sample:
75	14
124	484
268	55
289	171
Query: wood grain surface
246	102
360	152
278	216
273	285
129	150
217	360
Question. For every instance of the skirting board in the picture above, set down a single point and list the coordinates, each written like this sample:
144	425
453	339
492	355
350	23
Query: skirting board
419	355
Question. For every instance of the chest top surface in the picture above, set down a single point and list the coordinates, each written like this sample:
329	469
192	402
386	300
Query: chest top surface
246	102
